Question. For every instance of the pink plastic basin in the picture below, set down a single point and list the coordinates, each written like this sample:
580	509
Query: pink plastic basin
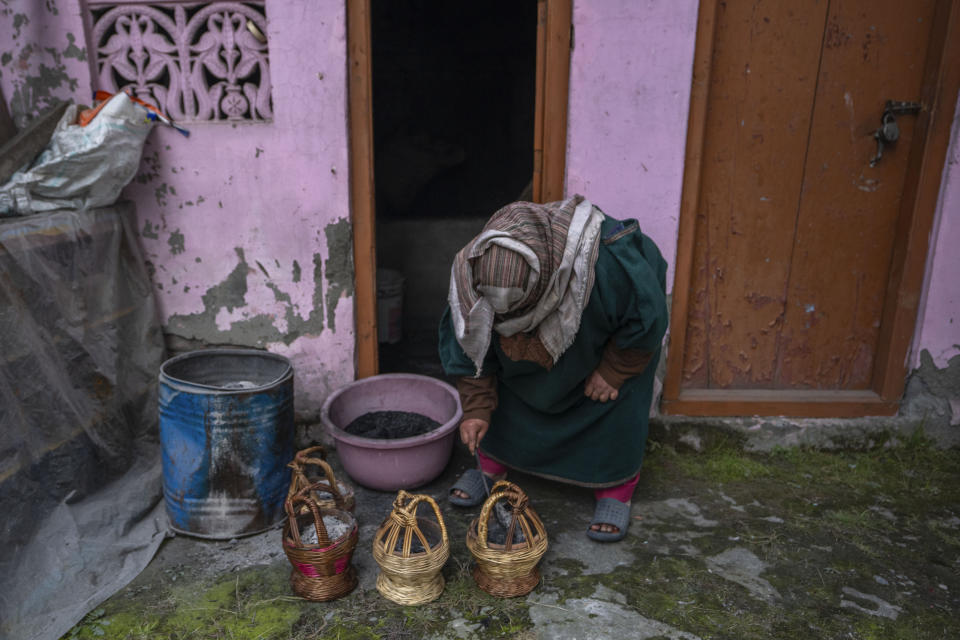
404	463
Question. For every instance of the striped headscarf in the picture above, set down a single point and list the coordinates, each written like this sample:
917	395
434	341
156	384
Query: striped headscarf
531	268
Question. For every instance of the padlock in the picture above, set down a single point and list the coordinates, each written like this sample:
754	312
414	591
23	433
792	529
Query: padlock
889	131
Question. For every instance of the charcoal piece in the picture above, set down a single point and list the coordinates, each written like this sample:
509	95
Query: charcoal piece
415	545
498	525
389	425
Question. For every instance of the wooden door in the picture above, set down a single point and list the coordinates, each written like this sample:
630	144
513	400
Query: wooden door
800	264
554	18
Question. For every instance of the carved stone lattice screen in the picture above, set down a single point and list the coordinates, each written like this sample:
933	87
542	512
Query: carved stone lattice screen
196	62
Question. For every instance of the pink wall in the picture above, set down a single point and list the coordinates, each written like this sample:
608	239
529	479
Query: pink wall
629	101
246	226
940	319
629	97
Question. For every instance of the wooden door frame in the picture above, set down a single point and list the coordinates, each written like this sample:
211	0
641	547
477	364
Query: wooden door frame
917	211
554	19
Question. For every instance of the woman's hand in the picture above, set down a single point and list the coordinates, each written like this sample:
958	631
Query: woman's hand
472	431
597	389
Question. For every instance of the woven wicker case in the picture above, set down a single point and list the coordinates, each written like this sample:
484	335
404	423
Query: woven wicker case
321	571
509	569
408	577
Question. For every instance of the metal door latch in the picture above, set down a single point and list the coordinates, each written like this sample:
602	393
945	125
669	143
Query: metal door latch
889	131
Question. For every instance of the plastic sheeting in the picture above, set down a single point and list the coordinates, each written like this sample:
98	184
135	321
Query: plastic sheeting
80	481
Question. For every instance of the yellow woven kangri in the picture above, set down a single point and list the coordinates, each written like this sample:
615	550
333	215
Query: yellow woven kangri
410	578
300	478
509	569
321	571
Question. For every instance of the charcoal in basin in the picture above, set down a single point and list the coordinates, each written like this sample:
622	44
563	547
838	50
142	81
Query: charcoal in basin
389	425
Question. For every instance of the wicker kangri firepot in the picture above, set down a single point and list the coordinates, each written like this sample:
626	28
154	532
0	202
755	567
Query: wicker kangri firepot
509	569
301	477
321	571
408	577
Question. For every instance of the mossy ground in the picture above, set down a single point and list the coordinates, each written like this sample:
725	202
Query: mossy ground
845	539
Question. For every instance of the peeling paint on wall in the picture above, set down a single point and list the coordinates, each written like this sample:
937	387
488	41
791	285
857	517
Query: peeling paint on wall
260	329
36	92
149	231
318	288
73	51
176	242
160	193
339	266
296	325
932	392
149	166
231	293
42	65
19	21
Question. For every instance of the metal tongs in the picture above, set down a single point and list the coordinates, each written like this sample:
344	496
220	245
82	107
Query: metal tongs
483	478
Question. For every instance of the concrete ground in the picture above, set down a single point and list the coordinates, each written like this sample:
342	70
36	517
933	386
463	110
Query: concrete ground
724	543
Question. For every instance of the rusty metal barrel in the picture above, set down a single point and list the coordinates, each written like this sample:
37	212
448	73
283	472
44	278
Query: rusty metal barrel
226	430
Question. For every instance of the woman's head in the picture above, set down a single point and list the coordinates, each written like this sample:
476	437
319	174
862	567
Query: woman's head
511	266
503	276
530	269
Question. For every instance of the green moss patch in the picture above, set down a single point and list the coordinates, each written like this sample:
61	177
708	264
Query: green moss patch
244	606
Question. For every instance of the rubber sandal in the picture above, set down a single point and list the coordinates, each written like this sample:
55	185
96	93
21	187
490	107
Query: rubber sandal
610	511
472	484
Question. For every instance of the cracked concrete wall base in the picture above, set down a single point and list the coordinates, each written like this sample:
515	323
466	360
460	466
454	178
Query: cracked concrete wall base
931	406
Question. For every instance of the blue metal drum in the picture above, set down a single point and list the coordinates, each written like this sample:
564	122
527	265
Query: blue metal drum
226	428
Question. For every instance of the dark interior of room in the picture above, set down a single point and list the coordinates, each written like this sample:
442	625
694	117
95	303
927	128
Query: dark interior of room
453	112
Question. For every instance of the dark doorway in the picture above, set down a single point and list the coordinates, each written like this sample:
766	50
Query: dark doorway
453	121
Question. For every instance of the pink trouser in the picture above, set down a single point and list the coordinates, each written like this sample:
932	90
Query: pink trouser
622	492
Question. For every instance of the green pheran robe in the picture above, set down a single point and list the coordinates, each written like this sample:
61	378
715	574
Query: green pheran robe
543	423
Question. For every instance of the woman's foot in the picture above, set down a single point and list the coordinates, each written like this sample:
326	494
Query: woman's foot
610	520
604	528
472	488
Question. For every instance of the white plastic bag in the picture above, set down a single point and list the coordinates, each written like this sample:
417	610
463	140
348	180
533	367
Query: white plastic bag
81	167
